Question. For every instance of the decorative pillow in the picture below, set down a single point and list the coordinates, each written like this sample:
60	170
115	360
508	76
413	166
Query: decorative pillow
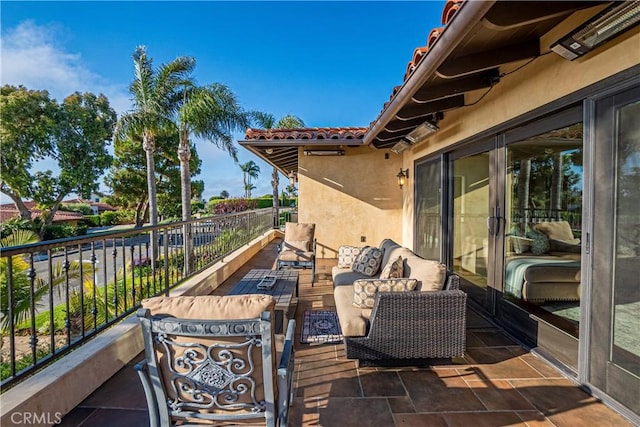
393	269
520	244
296	245
346	255
539	242
364	290
368	261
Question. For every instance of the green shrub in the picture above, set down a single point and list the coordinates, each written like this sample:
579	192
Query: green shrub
92	220
82	208
109	218
264	202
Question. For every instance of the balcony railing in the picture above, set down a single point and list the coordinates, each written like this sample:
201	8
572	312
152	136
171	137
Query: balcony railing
60	293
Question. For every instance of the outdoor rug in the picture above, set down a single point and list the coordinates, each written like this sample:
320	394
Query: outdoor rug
320	327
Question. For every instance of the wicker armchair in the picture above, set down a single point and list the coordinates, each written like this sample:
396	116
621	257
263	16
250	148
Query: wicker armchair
407	328
199	371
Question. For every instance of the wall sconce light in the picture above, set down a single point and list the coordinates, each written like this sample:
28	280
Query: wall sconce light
402	176
324	152
400	146
620	16
293	178
269	151
427	128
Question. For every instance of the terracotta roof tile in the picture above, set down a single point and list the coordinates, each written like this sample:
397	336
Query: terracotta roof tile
450	8
8	211
306	133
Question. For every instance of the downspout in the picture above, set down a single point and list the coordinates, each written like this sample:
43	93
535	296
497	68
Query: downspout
463	21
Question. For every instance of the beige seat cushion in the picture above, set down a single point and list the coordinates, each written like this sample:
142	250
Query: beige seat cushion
211	307
353	320
286	255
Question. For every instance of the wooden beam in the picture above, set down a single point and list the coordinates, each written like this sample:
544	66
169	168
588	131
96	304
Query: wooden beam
413	110
430	93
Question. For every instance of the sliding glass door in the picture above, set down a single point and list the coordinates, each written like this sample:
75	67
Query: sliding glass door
428	225
614	337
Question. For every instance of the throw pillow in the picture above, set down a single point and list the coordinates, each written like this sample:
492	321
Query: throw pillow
365	290
296	245
558	230
368	261
570	246
346	255
393	269
539	242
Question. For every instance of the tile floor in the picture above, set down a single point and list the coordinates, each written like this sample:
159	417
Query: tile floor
497	383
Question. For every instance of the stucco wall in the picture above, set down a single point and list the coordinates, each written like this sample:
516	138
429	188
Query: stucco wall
350	196
544	80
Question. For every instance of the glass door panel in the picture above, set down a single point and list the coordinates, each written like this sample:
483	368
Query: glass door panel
428	210
614	350
543	224
470	213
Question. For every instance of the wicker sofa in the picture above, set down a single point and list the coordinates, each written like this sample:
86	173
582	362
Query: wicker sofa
403	328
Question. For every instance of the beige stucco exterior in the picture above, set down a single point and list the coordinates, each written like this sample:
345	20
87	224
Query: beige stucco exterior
351	196
544	80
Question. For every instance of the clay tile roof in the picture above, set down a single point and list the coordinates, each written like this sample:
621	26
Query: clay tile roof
450	8
341	133
8	211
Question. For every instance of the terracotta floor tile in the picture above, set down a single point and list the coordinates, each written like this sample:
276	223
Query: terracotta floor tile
420	420
76	417
499	395
119	392
507	369
541	366
381	383
534	419
483	419
120	417
401	405
374	412
567	405
442	390
493	338
304	412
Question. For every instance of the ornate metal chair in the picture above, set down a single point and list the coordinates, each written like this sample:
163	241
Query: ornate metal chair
212	360
298	248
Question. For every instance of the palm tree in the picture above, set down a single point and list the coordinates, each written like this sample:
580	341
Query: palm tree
156	97
212	113
268	121
249	170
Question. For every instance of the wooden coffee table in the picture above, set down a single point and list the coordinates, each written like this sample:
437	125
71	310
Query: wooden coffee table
284	291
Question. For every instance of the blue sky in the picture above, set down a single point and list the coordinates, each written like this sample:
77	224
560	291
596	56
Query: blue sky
330	63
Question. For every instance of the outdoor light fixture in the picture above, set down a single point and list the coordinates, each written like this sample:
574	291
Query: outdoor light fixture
293	177
402	176
620	16
427	128
324	152
269	151
400	146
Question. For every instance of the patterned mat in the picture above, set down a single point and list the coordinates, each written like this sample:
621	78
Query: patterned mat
320	327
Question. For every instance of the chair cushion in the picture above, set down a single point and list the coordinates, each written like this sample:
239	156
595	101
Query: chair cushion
388	248
347	255
286	255
393	270
353	320
368	261
539	242
364	291
296	245
211	307
345	276
296	231
431	274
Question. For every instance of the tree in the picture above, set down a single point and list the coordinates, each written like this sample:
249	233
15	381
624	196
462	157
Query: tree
26	136
224	194
212	113
75	134
267	121
156	98
250	170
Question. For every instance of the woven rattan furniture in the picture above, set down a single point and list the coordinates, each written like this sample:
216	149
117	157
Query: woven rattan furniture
298	250
199	371
410	328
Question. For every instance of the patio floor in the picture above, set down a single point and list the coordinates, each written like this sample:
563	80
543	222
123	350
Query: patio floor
497	383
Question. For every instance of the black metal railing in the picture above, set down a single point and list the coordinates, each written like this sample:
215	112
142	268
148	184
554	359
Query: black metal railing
59	293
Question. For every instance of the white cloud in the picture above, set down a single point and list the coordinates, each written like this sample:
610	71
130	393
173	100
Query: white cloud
34	56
